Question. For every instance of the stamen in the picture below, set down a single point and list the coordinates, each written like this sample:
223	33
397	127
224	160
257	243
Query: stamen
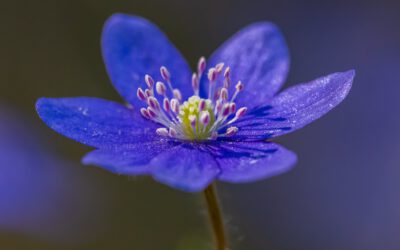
227	78
241	112
227	72
162	131
177	94
212	74
144	113
195	84
166	104
202	105
231	131
172	132
175	105
226	110
165	74
192	119
141	95
239	86
232	107
219	67
151	112
160	88
148	93
201	66
224	94
149	81
153	103
205	118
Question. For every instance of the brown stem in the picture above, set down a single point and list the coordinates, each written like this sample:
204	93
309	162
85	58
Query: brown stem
217	223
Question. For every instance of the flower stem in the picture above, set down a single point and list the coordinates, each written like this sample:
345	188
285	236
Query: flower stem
215	214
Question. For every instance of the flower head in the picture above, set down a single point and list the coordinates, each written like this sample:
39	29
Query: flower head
186	128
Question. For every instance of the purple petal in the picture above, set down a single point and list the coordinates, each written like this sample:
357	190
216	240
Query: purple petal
132	47
130	159
258	56
186	167
251	161
296	107
95	122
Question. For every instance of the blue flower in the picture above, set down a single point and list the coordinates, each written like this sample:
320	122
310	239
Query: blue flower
185	129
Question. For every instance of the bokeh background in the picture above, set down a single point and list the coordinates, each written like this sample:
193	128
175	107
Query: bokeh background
343	194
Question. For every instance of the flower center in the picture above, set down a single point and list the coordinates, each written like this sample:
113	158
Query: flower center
197	118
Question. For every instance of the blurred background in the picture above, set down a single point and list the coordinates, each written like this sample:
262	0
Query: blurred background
343	194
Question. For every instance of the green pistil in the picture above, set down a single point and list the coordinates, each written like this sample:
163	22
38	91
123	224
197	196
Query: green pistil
191	108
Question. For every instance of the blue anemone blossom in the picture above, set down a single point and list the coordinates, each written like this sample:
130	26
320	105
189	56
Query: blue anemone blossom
187	129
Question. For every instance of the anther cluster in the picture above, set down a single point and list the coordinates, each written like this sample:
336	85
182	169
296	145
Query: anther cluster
196	118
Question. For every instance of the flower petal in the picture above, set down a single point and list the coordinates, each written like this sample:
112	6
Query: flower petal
296	107
95	122
129	159
251	161
186	167
132	47
258	56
